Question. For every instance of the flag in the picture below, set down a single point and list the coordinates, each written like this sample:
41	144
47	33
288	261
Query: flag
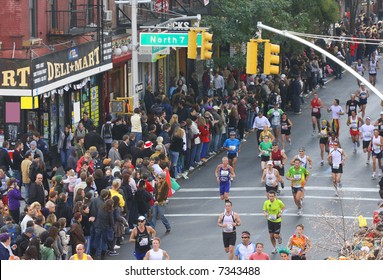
172	183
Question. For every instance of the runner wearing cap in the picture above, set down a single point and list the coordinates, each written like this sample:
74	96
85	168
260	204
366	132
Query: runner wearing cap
298	175
271	178
142	236
224	172
233	146
354	122
367	131
362	94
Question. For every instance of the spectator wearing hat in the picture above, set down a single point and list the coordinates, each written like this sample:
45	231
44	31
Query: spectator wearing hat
113	152
22	241
147	150
34	150
5	249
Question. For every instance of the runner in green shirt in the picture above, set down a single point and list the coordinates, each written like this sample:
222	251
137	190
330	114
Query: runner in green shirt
298	176
273	209
265	148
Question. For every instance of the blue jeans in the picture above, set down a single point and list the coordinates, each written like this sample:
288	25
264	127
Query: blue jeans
87	238
217	142
198	152
250	119
26	186
205	146
100	241
138	136
17	175
64	155
174	159
160	211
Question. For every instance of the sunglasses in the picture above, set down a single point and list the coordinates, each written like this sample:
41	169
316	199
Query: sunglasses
141	221
245	237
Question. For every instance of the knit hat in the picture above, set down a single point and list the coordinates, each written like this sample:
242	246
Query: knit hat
58	179
148	144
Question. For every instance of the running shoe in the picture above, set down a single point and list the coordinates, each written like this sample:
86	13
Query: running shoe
290	141
358	144
280	239
243	140
373	176
274	251
340	186
299	213
321	163
282	185
368	162
113	253
354	150
313	134
116	247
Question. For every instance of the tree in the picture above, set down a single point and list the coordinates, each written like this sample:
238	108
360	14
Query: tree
234	22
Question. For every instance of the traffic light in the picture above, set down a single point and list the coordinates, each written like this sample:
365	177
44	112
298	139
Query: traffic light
271	58
206	45
192	44
252	57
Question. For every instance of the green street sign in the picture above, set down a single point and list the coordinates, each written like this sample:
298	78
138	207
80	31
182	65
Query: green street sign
166	39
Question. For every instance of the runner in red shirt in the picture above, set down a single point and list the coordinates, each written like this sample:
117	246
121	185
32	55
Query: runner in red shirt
316	104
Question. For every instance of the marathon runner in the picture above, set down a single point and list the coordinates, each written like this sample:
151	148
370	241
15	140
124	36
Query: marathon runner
273	209
141	236
233	146
274	115
376	148
244	250
372	69
367	131
360	68
352	105
271	178
260	122
336	111
279	159
224	172
228	221
323	139
303	158
354	122
298	175
379	124
336	159
299	244
362	94
316	105
265	148
286	125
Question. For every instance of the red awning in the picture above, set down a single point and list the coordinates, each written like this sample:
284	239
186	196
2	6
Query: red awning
121	59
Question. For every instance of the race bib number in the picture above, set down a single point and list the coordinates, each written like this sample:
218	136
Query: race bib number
232	148
284	127
297	177
277	162
272	217
144	241
315	110
224	173
335	166
352	108
367	135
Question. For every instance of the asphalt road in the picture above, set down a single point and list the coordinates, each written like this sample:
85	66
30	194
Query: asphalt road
193	210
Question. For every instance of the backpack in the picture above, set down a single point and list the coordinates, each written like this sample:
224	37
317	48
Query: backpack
107	131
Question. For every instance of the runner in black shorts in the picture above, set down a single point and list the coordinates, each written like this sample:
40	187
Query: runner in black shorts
286	125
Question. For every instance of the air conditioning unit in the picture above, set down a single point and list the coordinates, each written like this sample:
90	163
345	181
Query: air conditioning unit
108	15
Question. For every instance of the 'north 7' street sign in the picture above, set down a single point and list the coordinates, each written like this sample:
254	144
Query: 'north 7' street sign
166	39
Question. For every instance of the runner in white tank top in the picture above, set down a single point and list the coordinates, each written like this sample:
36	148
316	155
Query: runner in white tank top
376	150
156	254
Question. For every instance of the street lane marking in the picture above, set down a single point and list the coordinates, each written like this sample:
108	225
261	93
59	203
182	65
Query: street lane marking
314	188
280	197
262	215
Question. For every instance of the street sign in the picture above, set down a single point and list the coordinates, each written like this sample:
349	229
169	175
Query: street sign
166	39
139	87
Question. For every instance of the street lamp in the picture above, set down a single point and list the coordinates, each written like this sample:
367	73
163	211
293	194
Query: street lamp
133	4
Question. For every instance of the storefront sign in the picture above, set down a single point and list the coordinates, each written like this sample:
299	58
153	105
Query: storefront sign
179	26
54	70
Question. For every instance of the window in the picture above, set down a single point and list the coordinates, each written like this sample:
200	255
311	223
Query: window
33	18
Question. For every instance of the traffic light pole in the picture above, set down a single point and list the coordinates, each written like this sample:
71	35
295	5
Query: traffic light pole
322	51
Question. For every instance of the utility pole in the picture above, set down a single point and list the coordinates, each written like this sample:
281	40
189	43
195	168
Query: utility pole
133	4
